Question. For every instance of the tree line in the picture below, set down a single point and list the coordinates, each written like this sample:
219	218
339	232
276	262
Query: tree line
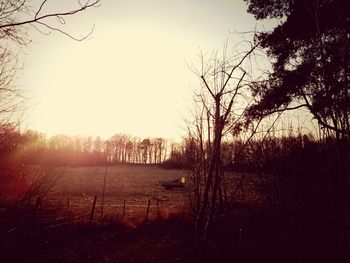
32	147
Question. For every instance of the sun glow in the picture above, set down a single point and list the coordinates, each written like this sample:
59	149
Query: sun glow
131	76
124	86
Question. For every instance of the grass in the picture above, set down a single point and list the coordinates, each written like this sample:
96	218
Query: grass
134	184
165	238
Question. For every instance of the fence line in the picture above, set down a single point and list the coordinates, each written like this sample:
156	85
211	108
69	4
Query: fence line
56	214
114	205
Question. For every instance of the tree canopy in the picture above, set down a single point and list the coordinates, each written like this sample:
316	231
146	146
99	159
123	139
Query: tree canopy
310	52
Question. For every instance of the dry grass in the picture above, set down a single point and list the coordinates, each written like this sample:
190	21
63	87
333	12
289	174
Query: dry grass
136	184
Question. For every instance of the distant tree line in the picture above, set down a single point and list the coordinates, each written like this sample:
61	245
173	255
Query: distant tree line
32	147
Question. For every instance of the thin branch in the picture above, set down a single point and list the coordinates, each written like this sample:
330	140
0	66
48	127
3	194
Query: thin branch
318	118
286	109
233	97
207	86
67	34
238	65
37	19
41	6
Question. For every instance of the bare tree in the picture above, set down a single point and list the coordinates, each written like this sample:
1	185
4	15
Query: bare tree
16	17
220	102
145	146
11	99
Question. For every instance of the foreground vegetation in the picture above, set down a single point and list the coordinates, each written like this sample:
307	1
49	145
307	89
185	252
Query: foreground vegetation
278	199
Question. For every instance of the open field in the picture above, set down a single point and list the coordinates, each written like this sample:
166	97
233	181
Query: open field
71	190
76	187
167	239
122	181
128	192
134	184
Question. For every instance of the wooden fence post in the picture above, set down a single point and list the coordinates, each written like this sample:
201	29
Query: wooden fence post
36	207
124	209
103	192
147	211
68	203
240	236
158	213
93	210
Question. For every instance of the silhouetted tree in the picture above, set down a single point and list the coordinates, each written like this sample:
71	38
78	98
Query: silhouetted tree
310	54
97	145
10	139
223	80
145	146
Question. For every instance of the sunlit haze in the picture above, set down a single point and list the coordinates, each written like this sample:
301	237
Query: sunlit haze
130	76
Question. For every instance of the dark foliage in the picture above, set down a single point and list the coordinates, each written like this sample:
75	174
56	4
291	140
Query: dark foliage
310	53
305	185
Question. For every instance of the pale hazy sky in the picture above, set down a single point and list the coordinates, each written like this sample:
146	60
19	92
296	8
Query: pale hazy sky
131	76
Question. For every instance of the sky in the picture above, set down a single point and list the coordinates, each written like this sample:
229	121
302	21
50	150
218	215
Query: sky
131	75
